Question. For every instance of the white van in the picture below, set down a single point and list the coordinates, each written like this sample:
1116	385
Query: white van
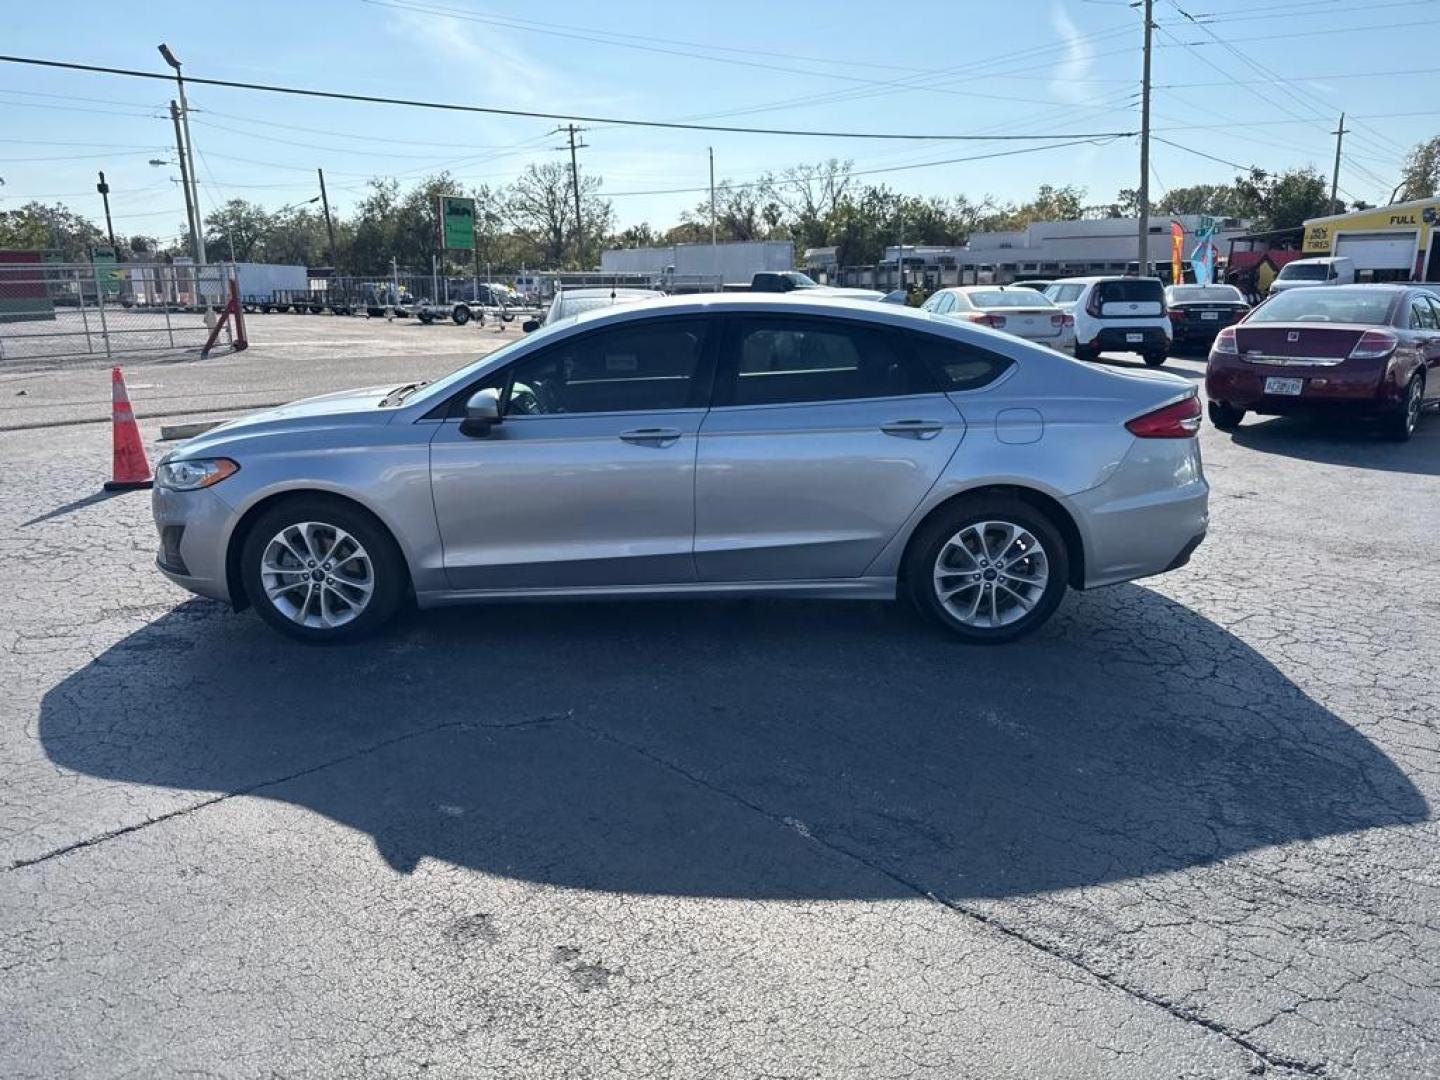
1307	273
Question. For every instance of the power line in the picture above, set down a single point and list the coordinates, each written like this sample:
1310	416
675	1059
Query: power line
375	99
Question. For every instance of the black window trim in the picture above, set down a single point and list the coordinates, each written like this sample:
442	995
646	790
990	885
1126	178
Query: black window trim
702	385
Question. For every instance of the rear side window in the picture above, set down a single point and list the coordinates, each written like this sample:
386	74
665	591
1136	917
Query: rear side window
1064	294
779	361
957	365
1422	315
1136	290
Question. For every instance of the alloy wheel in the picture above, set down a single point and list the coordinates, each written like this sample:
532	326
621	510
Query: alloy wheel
991	574
317	575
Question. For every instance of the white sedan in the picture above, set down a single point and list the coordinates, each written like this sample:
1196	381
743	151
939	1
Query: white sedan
1023	312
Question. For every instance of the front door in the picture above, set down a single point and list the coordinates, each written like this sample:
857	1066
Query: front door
824	437
590	478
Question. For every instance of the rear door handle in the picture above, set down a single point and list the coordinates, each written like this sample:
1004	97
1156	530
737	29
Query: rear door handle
651	436
913	429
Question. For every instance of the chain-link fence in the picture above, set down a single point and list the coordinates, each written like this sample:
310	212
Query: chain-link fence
53	311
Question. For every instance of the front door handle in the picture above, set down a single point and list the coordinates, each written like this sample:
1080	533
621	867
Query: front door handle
913	429
651	436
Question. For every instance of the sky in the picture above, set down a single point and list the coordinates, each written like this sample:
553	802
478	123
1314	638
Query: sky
1237	83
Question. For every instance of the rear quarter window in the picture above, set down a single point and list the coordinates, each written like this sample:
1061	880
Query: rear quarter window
957	365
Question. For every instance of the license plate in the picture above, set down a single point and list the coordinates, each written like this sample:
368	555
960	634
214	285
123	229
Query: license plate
1134	339
1291	387
1211	315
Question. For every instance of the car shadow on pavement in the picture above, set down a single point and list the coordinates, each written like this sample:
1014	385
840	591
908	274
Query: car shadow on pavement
745	749
1345	441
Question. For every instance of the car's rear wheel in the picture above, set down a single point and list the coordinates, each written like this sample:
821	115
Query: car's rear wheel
1400	424
989	569
1154	359
1086	354
461	314
1225	416
426	318
322	570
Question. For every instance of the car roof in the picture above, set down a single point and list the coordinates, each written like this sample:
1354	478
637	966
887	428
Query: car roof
603	291
800	302
1099	278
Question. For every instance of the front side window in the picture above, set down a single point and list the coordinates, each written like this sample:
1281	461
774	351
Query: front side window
792	361
639	367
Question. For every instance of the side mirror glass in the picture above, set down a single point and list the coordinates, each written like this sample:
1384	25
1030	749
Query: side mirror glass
530	325
482	412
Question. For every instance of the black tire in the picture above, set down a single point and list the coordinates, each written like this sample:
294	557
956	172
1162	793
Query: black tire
461	315
1086	355
1225	416
933	540
426	318
388	577
1154	359
1400	424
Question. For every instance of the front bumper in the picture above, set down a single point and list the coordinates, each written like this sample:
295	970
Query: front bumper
194	527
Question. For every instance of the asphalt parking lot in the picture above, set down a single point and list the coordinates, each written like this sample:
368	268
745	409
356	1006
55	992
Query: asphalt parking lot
1186	830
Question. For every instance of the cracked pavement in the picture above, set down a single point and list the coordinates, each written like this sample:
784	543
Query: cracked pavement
1184	831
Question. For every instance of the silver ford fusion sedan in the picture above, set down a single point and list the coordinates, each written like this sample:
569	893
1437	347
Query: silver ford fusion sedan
735	445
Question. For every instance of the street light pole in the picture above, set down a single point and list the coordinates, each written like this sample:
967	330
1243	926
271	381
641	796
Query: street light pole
187	153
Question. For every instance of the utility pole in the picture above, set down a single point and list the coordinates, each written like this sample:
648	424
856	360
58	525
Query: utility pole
187	153
1339	134
185	184
571	130
1143	253
329	225
714	246
104	189
900	251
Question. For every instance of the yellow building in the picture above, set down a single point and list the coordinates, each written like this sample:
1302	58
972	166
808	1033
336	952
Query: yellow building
1387	243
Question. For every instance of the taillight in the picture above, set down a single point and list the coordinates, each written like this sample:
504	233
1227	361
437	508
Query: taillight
1176	315
1374	345
1180	420
1092	305
1058	319
1225	343
1069	319
986	319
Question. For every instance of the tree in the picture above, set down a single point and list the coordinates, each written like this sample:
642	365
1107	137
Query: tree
1286	200
1420	175
237	230
541	206
805	197
56	227
634	236
1049	204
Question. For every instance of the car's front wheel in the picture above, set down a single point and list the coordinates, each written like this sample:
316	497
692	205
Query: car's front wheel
1225	416
989	569
322	570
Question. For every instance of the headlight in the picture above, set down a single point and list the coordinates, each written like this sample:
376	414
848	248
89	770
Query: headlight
193	474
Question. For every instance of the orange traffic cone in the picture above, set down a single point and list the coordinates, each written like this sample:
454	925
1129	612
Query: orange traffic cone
129	469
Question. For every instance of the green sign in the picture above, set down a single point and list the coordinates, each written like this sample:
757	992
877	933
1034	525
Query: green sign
457	223
110	274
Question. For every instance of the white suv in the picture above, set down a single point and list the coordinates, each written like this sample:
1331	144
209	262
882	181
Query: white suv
1116	314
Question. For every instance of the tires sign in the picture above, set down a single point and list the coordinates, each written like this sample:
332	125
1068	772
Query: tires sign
457	223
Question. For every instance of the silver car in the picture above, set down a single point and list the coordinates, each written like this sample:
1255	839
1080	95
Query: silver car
723	445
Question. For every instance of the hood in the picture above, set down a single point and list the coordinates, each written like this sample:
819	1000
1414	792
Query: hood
327	410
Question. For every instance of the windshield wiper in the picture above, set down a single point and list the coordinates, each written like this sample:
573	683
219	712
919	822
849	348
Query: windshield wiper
400	393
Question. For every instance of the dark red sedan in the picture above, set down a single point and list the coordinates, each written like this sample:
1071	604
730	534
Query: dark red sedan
1365	349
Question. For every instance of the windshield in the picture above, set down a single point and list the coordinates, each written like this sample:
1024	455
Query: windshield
1362	305
1305	272
1193	294
1009	298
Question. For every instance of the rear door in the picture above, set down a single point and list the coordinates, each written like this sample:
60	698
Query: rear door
823	436
1432	347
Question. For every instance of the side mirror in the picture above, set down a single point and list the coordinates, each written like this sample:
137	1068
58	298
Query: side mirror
482	412
530	325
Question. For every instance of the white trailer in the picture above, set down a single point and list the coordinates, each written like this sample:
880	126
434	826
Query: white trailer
695	263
